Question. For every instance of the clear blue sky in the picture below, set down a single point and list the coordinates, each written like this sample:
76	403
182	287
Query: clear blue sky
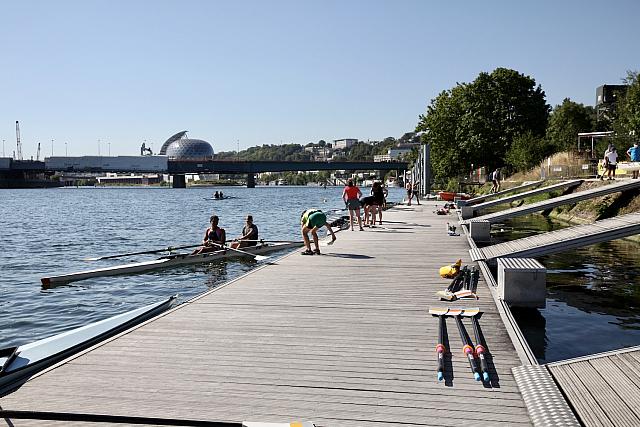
266	72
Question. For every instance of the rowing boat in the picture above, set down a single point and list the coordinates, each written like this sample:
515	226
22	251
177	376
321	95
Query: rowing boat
17	364
164	262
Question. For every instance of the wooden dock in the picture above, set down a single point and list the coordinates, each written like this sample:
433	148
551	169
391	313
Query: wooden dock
483	197
562	240
604	389
566	199
469	211
342	339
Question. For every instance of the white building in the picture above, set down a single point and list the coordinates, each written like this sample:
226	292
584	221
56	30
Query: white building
344	143
395	153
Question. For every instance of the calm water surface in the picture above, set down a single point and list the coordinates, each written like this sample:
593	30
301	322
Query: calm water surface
593	296
50	231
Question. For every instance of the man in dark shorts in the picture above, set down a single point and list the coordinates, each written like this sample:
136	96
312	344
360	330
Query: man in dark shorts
249	234
312	220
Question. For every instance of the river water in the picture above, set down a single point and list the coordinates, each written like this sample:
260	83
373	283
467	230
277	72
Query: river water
593	295
50	231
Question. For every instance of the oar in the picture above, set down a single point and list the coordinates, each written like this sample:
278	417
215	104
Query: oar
256	257
480	350
154	251
440	348
272	241
467	349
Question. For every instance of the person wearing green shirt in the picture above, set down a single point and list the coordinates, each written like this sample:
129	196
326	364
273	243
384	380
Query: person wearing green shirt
312	220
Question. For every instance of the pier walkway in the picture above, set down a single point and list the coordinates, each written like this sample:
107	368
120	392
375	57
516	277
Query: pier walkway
604	389
558	201
562	240
342	339
470	211
501	193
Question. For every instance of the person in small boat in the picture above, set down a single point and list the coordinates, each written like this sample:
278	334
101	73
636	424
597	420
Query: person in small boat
249	235
216	195
221	195
312	220
214	238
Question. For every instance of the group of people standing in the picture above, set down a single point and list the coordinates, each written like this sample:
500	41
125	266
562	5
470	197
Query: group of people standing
610	161
372	204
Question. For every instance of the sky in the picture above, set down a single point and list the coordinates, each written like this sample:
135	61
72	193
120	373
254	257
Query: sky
102	77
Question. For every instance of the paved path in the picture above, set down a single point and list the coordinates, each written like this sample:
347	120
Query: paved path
342	339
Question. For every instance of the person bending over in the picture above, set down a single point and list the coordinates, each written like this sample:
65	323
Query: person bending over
312	220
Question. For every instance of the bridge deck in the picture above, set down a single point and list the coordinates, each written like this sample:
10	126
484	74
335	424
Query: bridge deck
519	196
603	389
341	339
484	197
562	240
558	201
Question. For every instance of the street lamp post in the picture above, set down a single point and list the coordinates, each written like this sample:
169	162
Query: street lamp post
98	148
66	153
3	148
52	148
109	145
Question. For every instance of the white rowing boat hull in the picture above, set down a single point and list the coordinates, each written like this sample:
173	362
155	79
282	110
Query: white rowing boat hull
17	364
165	262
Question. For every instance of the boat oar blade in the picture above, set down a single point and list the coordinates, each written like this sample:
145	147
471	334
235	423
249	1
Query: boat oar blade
260	257
438	311
470	312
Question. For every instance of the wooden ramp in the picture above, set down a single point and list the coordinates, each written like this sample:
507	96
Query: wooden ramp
341	339
470	211
562	240
484	197
558	201
603	389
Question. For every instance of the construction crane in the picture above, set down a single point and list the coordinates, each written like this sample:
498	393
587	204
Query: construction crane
38	153
18	144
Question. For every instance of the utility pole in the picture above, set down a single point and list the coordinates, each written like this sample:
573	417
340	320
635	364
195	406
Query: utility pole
52	148
238	152
109	145
38	153
98	148
18	144
3	148
66	153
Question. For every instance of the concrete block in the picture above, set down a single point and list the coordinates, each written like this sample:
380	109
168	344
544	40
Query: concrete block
522	282
466	211
480	230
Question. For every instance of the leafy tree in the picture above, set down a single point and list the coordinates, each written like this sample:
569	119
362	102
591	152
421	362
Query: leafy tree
476	123
627	124
566	121
527	151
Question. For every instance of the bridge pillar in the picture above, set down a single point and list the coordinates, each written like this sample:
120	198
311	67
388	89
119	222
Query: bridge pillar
251	180
522	282
179	181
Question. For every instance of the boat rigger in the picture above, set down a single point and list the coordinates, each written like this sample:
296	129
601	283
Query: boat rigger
165	262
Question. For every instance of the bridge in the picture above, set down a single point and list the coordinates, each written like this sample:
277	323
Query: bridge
178	168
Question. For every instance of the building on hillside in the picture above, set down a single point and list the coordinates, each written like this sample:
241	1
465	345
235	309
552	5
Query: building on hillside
344	143
395	152
607	98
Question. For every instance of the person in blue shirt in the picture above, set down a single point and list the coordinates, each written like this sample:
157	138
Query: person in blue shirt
634	155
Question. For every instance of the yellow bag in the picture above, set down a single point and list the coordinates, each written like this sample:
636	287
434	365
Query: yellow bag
450	271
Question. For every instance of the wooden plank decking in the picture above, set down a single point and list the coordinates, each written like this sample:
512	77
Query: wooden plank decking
341	339
566	199
604	389
564	239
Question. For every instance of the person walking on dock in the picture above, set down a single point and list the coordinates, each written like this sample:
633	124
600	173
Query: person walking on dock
312	220
611	159
214	238
378	200
495	181
634	156
351	196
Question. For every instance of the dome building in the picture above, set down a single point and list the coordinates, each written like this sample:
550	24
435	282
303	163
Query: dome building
180	147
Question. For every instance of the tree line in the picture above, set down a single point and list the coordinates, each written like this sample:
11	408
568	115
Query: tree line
502	119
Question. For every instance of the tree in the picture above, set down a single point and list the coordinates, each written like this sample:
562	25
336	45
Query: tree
566	121
476	123
627	123
527	151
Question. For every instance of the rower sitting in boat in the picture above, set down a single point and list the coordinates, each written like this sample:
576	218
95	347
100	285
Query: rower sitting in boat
249	235
221	195
216	195
214	238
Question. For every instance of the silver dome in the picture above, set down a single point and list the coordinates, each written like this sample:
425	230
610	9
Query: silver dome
194	149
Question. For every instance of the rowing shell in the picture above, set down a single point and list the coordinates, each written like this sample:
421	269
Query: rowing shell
17	364
163	262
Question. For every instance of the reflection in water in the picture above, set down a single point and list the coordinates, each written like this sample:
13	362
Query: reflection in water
593	296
